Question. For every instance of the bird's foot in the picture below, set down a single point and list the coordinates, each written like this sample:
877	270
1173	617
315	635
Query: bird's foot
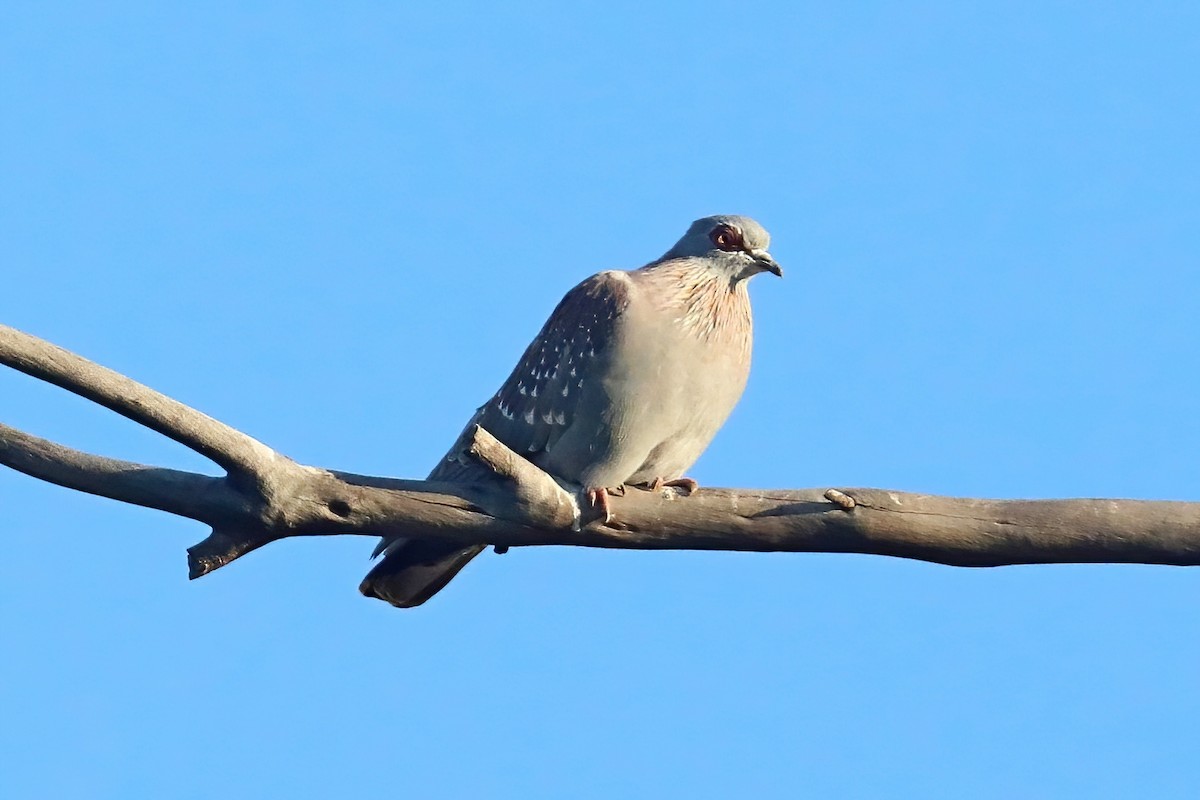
599	497
599	500
689	485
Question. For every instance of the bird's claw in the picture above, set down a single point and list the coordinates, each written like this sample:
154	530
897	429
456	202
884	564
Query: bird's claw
599	497
599	500
689	485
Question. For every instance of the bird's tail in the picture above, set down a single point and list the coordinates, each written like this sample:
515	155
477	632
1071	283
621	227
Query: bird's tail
414	570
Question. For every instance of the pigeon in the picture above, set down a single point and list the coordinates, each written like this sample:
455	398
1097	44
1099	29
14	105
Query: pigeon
626	384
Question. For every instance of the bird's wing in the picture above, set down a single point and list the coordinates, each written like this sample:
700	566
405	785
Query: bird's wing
529	413
539	401
558	371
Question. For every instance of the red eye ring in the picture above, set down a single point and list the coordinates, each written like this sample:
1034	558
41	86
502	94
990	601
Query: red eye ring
727	238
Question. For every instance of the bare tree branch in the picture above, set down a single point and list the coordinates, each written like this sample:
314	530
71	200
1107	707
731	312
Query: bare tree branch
267	496
182	493
229	448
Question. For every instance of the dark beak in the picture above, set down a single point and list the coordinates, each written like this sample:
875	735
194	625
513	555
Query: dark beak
763	260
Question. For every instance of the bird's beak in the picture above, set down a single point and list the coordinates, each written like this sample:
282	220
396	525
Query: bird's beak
764	262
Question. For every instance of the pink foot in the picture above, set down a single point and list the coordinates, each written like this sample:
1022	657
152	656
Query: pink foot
599	500
689	485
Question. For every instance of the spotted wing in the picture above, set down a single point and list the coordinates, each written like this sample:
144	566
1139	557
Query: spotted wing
558	372
556	379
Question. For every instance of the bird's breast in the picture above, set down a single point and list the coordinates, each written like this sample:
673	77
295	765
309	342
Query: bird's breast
679	375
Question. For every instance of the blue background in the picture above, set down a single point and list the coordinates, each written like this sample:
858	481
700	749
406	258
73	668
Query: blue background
337	228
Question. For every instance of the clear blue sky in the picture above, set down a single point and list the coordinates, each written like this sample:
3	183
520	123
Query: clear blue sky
337	228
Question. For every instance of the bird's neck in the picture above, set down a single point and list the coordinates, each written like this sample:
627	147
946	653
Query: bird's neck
705	304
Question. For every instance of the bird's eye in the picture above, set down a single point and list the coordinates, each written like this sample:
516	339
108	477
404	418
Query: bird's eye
727	238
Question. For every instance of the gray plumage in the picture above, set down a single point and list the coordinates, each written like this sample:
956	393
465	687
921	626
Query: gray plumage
627	383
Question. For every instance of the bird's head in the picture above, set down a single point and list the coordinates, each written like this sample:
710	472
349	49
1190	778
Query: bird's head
735	246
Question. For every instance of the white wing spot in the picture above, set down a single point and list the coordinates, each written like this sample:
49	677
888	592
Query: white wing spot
548	417
560	417
533	392
566	388
529	416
